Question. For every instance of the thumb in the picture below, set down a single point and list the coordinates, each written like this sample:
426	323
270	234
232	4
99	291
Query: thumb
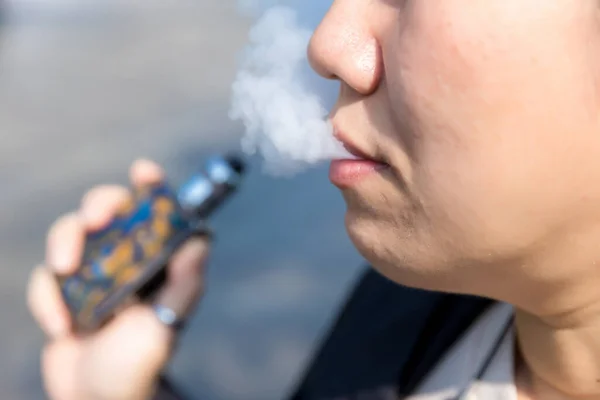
126	357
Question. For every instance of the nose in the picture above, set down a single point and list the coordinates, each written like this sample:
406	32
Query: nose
343	48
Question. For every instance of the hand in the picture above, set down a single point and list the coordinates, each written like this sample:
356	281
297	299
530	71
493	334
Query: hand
122	360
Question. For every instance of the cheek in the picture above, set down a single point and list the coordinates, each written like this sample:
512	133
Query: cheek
488	106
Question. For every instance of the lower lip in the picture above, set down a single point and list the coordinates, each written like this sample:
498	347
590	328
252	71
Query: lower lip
345	173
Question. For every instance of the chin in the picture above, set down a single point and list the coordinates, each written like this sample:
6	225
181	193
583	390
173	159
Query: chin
400	255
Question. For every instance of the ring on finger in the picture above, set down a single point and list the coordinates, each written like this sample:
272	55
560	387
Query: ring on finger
168	317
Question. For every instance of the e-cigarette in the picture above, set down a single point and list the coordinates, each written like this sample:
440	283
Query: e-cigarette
127	259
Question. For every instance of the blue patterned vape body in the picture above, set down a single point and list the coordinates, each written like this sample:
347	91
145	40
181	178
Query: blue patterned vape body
127	259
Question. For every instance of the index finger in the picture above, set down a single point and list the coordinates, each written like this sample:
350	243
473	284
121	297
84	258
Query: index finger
66	238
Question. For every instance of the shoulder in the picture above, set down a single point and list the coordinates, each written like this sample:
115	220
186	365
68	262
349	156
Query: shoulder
385	336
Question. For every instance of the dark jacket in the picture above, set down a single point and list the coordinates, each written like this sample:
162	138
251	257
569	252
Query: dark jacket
385	340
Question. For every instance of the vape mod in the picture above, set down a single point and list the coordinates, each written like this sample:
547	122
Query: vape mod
127	259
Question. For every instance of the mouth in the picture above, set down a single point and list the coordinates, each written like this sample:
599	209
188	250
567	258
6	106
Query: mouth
345	173
351	147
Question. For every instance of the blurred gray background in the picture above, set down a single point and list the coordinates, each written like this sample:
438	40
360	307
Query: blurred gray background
86	87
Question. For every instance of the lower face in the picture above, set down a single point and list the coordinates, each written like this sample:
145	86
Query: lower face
486	120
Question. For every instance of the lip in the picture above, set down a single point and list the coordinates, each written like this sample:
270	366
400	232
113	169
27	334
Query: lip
350	146
349	172
345	173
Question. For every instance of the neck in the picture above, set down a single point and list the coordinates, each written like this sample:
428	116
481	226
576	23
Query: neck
558	318
560	354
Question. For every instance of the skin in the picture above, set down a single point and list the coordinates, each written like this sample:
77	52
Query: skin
122	360
486	112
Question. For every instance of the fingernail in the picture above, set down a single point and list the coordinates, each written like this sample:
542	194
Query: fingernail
200	245
195	250
61	258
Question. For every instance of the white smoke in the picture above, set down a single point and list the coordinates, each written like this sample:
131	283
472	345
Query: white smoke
277	97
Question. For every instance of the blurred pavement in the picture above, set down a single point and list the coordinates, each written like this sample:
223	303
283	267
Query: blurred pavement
88	86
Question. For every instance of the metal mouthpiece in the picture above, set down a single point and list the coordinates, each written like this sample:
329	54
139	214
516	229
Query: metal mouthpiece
204	192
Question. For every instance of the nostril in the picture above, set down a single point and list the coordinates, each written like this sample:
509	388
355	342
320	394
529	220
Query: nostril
349	55
343	47
368	63
318	56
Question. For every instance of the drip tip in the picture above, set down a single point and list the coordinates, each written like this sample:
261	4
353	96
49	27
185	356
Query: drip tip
236	163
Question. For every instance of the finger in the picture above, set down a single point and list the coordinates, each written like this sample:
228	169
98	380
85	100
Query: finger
65	244
185	278
135	347
145	172
45	303
60	361
101	203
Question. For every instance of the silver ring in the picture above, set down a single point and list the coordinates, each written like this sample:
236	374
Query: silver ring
167	317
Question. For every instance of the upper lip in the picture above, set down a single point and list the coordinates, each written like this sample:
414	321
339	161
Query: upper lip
349	145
